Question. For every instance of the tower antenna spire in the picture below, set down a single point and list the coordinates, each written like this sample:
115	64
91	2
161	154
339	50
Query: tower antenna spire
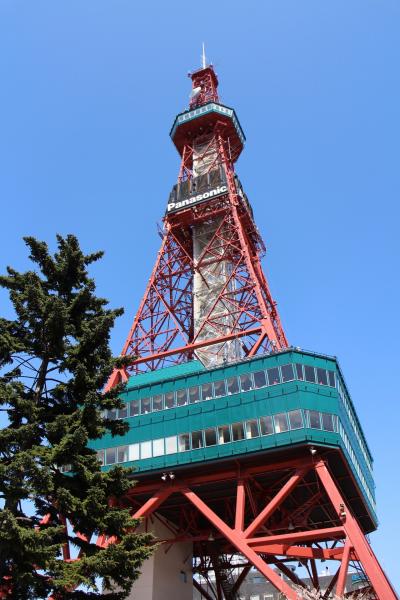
203	58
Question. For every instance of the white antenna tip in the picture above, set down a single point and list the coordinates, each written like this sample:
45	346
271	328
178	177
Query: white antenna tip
203	58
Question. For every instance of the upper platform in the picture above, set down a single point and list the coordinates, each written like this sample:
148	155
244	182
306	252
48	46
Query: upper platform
197	121
276	404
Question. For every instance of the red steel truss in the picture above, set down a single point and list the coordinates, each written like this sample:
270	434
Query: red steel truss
264	527
163	331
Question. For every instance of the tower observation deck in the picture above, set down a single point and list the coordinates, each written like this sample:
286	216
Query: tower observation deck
248	452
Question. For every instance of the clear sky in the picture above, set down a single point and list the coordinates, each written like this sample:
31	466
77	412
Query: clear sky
88	92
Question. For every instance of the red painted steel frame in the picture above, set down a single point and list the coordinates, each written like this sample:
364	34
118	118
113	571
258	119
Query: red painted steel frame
163	330
259	549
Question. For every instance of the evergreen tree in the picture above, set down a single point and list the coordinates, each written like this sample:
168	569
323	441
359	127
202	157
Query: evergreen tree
55	360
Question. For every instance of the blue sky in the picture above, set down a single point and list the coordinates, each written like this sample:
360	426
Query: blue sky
89	90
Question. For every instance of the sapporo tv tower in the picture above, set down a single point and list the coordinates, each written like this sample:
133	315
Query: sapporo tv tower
248	452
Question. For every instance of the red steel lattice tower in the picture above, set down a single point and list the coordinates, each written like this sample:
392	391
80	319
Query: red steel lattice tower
282	469
207	296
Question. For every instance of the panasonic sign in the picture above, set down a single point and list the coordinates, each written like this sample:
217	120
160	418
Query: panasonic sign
174	206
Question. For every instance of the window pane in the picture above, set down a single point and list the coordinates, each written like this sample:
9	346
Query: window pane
327	422
134	408
266	425
100	456
197	439
112	414
206	391
157	402
183	442
273	376
122	453
309	373
181	397
280	421
224	434
145	450
233	386
194	395
287	373
169	400
134	452
299	371
123	412
246	383
158	447
252	428
145	406
314	419
322	379
110	456
331	376
295	419
259	379
237	432
219	389
171	445
210	437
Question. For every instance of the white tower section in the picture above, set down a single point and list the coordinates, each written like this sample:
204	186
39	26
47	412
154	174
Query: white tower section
212	276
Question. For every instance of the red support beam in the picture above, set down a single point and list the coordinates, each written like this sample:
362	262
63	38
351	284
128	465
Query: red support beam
240	505
342	575
241	545
371	566
274	503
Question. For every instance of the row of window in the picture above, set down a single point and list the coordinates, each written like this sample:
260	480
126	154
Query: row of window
354	424
356	464
223	434
224	387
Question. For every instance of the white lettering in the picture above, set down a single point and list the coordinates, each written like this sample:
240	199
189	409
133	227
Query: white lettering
194	199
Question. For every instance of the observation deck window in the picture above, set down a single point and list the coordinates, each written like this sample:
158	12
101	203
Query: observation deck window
273	376
246	383
134	408
145	406
224	434
327	422
314	419
210	437
296	419
158	447
266	425
322	378
183	442
158	403
219	388
100	456
299	371
280	421
252	428
181	397
169	399
259	379
206	391
134	451
197	439
145	449
237	432
110	456
331	377
123	412
233	386
309	373
194	395
112	414
122	453
171	446
287	373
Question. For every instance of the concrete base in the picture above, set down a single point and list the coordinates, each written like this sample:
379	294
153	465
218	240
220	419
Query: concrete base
168	572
